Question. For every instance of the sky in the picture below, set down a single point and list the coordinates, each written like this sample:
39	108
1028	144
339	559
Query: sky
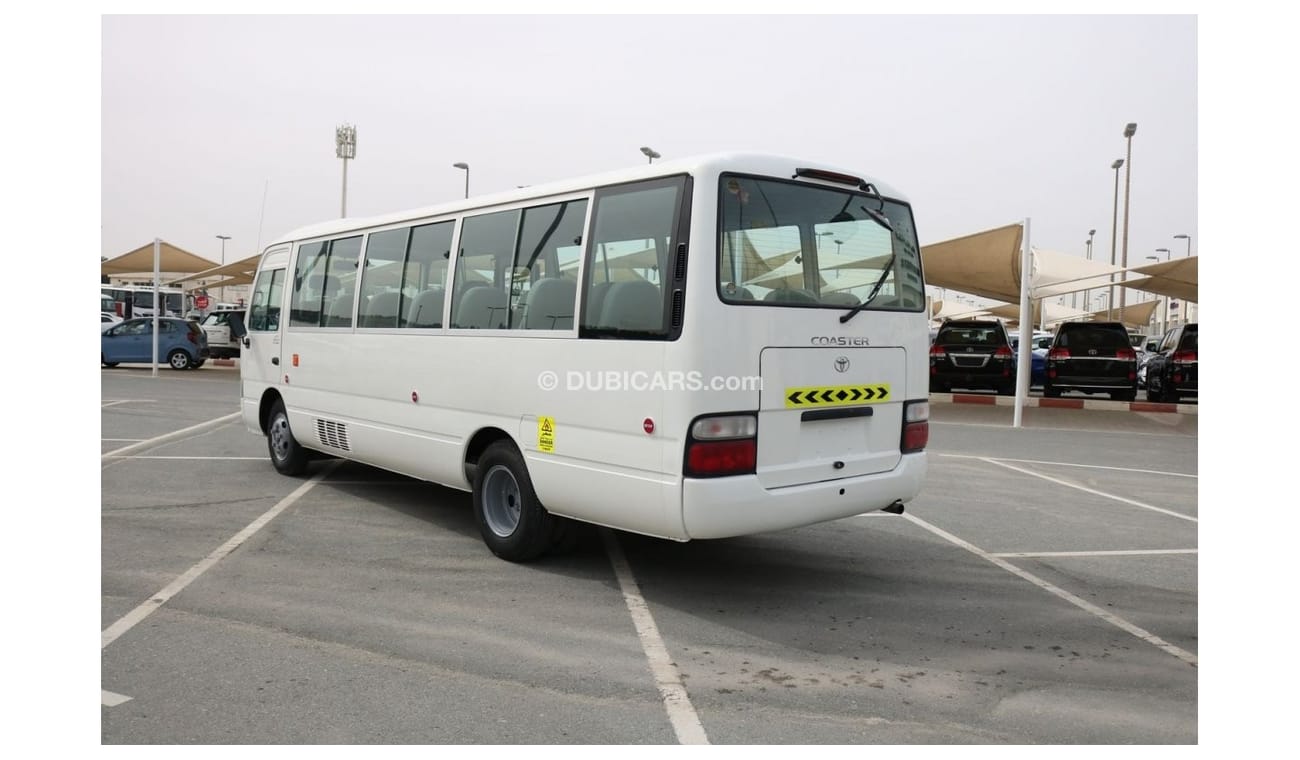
981	121
123	128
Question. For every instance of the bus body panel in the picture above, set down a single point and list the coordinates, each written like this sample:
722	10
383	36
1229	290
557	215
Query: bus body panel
740	505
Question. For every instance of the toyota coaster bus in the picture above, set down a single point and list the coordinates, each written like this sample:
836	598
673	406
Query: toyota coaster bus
701	348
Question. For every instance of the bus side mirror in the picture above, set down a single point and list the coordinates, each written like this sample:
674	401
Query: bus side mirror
237	328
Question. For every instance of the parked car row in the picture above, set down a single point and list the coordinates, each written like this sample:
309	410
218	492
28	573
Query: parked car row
1087	357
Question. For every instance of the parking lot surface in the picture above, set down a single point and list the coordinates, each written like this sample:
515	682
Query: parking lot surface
1042	589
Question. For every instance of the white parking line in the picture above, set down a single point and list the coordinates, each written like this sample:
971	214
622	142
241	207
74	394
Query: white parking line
192	429
1072	464
1116	553
1093	491
681	714
1093	609
130	619
206	459
109	699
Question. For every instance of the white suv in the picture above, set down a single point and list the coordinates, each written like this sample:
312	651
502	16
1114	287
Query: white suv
221	341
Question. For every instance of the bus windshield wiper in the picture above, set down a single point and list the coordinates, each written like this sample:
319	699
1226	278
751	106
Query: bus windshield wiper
883	221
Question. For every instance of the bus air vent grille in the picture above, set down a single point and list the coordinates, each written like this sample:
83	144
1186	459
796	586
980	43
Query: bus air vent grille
678	301
333	434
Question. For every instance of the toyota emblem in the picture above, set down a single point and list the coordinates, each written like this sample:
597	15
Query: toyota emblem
841	364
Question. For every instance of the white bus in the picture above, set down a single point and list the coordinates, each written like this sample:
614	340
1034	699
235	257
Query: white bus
140	299
693	349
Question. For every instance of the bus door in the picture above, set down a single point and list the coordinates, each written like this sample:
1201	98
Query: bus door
260	362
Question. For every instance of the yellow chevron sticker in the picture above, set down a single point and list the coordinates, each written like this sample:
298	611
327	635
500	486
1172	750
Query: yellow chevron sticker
836	395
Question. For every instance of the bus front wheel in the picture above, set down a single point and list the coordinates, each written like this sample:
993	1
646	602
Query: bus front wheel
286	455
514	524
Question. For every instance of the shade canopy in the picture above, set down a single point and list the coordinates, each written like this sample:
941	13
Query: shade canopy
171	260
987	264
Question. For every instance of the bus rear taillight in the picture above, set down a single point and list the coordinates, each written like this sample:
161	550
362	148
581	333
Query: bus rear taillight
916	426
723	445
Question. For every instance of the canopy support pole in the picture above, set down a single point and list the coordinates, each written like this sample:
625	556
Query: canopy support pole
1024	350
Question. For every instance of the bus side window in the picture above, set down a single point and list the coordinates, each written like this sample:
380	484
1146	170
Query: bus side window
549	300
425	275
634	229
487	245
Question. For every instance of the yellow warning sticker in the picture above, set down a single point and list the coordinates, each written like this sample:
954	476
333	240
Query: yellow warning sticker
836	395
546	434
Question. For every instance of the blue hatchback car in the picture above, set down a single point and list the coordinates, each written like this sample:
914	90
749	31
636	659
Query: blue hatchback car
181	343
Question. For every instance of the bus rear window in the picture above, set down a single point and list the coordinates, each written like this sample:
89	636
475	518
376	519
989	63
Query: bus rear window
787	243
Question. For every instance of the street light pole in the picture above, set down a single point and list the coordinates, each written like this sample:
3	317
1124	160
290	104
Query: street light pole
1129	130
1188	238
1087	294
465	166
1164	319
1114	228
650	154
345	147
223	239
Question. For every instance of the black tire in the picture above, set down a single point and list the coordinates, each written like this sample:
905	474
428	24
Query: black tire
1124	395
287	456
514	524
110	365
1050	392
1007	389
938	386
179	360
565	535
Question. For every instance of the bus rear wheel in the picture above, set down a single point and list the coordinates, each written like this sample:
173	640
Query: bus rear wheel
514	524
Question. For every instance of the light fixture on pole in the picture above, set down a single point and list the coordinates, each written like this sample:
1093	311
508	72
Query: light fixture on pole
1114	228
465	166
1188	238
1129	130
345	147
650	153
223	239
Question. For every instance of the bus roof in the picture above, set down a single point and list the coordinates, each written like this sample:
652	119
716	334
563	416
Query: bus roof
758	163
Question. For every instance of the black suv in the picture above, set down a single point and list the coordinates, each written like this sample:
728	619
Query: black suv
1171	370
972	354
1093	357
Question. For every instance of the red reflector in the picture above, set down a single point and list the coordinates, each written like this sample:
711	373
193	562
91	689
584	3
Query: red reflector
1178	378
1059	353
722	457
1184	356
915	436
1003	352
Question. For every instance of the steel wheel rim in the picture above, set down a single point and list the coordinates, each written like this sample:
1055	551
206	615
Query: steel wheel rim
501	501
280	438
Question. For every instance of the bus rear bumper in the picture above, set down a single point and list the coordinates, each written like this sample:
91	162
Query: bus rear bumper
738	506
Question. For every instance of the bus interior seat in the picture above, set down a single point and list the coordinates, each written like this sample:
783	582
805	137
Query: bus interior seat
340	312
790	295
550	305
596	301
426	310
483	308
635	305
381	311
840	298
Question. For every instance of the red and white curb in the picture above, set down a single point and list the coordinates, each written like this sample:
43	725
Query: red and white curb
1063	403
